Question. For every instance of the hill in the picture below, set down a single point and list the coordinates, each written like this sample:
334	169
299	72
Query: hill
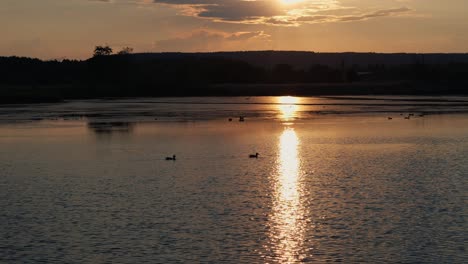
232	73
303	59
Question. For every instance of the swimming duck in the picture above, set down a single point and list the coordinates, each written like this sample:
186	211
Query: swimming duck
253	156
171	158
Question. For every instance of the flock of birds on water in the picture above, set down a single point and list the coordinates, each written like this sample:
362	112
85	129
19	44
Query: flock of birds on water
241	119
251	156
407	117
255	156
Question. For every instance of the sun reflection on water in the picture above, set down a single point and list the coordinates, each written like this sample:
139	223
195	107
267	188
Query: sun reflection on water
287	221
288	107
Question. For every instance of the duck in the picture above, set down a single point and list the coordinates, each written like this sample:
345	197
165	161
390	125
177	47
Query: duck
171	158
253	156
389	118
241	119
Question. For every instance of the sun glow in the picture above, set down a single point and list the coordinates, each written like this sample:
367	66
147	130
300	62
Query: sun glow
288	107
290	2
288	100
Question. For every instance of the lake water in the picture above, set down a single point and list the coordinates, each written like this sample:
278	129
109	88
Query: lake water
336	180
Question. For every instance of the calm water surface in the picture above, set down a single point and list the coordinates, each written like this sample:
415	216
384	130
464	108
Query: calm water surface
87	182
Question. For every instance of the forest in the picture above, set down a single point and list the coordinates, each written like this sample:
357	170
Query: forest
216	74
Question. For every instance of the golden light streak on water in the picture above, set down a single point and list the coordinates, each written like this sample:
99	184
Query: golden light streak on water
287	221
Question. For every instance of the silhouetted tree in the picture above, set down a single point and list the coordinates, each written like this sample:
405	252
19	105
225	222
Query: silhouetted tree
102	51
125	51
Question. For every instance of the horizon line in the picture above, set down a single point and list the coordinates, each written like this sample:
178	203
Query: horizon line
244	51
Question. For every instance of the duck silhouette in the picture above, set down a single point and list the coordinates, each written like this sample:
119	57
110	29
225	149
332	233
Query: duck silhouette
171	158
253	156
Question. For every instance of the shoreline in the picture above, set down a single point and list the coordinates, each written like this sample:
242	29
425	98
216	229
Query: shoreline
60	93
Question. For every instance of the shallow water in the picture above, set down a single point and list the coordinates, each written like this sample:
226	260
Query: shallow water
210	108
326	188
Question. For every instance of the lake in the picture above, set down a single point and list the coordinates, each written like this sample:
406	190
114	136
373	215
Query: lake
337	179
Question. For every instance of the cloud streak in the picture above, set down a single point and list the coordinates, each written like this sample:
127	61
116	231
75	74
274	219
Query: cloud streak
350	18
209	40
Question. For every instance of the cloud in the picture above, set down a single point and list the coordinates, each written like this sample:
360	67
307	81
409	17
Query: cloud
209	40
241	10
277	12
246	11
271	12
379	13
349	18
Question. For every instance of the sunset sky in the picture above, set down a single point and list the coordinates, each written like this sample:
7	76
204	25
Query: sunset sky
56	29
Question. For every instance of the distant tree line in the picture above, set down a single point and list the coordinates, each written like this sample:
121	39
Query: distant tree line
121	74
106	51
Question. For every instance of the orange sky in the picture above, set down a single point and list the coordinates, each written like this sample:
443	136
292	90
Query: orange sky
56	29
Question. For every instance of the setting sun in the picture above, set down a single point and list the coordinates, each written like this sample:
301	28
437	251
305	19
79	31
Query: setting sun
289	2
233	131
